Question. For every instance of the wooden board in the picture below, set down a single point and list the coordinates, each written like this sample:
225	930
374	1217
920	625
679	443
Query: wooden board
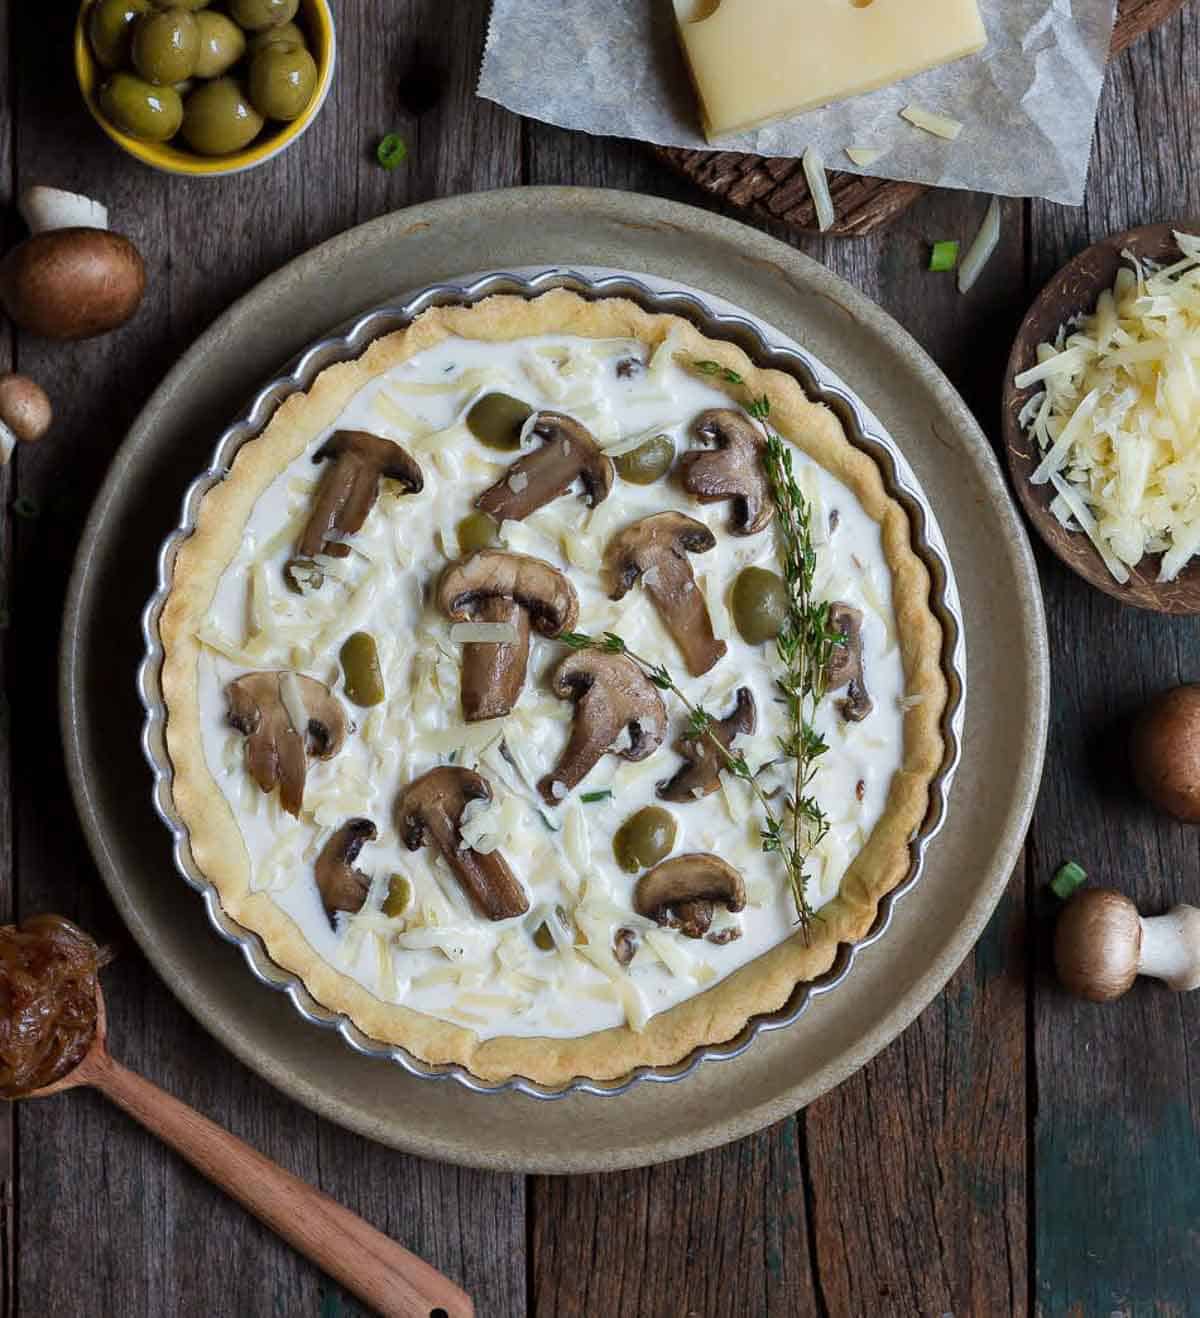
774	187
1014	1153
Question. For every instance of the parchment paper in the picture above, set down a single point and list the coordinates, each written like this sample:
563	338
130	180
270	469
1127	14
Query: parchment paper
614	67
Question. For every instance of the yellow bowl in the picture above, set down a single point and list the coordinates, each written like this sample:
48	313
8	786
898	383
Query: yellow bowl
318	22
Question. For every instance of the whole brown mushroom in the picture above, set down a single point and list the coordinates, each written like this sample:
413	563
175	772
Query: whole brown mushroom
1165	752
25	413
72	278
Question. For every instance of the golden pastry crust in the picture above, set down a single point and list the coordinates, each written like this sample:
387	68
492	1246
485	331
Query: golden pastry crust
762	985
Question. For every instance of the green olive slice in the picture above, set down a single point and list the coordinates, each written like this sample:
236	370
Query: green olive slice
644	839
759	604
360	666
399	896
649	462
497	420
477	530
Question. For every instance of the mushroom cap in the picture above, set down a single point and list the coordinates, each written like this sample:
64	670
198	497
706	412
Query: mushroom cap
275	750
625	689
1165	752
656	549
24	407
429	811
734	470
692	881
342	887
538	587
567	453
1098	944
384	455
72	283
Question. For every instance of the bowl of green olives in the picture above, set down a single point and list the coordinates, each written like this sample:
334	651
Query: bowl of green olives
204	87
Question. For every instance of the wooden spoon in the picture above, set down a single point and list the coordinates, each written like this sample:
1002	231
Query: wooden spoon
380	1272
1074	290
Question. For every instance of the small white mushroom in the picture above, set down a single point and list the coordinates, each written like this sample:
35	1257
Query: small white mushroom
25	413
1102	944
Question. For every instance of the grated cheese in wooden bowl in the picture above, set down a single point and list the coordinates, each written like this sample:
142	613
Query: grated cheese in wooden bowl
1117	416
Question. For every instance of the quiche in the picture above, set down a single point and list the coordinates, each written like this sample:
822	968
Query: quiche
474	694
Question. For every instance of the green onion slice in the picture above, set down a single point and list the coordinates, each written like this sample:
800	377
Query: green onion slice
943	257
590	798
1071	876
391	151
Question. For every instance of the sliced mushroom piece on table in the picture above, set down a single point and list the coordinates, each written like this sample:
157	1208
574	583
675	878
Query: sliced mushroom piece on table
496	588
700	776
567	454
429	813
358	461
731	471
655	549
285	717
680	893
342	887
846	663
613	699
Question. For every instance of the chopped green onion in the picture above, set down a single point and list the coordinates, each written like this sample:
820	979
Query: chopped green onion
1071	876
943	257
590	798
391	151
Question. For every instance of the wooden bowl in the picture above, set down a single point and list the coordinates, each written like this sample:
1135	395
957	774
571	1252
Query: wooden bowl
1075	290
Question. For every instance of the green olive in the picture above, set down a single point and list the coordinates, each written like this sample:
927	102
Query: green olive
218	118
141	109
360	664
222	44
254	15
496	420
644	839
287	34
399	896
648	462
760	604
110	27
477	530
166	46
282	81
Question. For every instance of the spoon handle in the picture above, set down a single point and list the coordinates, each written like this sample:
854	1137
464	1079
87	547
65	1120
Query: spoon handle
380	1272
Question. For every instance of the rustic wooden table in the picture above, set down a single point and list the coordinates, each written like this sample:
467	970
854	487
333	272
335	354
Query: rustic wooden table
1014	1151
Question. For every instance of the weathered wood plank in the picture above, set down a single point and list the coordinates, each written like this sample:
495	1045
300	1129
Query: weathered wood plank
1117	1107
144	1234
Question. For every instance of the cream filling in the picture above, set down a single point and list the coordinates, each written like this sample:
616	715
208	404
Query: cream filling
440	957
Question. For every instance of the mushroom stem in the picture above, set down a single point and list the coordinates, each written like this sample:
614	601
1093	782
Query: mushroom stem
44	208
1171	948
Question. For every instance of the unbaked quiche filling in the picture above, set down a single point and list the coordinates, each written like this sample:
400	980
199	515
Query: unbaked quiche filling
431	599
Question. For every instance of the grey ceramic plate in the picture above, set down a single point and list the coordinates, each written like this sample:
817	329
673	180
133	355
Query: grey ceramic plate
766	348
930	931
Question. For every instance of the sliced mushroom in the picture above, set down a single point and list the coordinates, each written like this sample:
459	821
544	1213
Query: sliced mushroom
349	489
701	774
568	453
494	586
733	470
429	812
846	663
612	697
681	892
276	747
342	887
656	550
